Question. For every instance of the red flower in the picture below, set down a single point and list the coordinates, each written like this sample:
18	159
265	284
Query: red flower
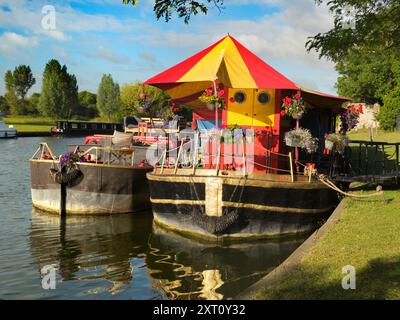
353	109
209	92
297	95
224	126
173	104
360	109
232	100
221	93
142	96
283	113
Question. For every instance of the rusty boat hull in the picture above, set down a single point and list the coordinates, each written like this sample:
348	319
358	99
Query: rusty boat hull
104	189
231	206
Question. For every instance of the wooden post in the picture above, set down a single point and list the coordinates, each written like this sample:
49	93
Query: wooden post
177	158
195	152
291	166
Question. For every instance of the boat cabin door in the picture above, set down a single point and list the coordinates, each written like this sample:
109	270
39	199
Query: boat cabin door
251	107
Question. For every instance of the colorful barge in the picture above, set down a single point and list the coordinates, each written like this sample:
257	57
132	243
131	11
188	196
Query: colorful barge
268	193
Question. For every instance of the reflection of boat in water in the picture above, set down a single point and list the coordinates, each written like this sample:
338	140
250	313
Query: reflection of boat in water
106	251
188	269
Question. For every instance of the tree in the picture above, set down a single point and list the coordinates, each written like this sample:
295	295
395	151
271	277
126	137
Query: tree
367	75
23	80
358	23
87	105
59	97
184	8
108	98
32	106
3	105
144	100
10	96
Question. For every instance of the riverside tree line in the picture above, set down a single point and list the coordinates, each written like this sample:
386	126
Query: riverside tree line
60	97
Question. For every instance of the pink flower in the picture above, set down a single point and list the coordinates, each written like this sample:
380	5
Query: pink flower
221	93
297	95
283	113
224	126
209	92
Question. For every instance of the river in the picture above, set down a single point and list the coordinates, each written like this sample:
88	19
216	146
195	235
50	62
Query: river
113	257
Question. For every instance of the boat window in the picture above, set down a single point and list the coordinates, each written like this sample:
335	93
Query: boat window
240	97
263	98
74	125
83	126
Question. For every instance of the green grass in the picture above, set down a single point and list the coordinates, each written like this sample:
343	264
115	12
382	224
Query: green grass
379	135
366	237
29	124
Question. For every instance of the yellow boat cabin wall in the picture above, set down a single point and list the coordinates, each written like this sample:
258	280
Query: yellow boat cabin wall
251	107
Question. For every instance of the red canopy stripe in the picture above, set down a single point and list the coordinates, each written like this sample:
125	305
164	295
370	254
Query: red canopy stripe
263	74
176	72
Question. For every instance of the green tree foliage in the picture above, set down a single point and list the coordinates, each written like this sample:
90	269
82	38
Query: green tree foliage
373	23
367	75
59	97
184	8
155	102
23	80
365	45
87	105
10	96
108	98
32	107
3	104
391	110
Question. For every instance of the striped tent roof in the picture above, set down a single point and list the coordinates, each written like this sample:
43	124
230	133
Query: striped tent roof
227	62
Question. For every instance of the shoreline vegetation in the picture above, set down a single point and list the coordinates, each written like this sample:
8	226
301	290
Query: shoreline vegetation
367	237
29	124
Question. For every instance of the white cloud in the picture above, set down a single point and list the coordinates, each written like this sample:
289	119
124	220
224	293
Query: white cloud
108	55
12	43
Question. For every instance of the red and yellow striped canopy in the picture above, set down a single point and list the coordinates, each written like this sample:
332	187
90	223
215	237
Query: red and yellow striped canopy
227	62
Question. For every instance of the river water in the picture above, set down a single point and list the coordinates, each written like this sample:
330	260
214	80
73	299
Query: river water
113	257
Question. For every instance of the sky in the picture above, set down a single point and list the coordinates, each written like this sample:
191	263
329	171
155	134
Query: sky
97	37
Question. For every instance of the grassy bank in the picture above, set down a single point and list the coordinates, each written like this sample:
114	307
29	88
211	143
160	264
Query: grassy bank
366	237
29	124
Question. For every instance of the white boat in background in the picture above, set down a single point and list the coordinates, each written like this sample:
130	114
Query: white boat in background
7	131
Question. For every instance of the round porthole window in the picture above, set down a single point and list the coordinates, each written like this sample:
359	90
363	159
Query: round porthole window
240	97
263	98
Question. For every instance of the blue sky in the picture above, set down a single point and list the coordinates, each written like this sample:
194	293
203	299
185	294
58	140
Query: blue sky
104	36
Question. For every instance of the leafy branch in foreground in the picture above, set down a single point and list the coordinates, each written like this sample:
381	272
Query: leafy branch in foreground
184	8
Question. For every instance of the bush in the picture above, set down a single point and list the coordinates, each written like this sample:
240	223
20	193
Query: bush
390	110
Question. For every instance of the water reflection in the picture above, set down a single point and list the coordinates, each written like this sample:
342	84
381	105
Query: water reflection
126	256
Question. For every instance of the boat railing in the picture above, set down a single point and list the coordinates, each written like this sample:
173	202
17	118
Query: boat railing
98	154
162	162
45	152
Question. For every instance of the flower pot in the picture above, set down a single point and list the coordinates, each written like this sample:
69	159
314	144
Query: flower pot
329	145
294	142
298	116
210	106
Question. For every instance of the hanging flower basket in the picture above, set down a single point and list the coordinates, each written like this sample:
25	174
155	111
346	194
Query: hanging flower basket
211	99
301	138
293	107
298	115
329	145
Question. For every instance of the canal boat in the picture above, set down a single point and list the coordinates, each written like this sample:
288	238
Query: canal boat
91	179
256	186
7	131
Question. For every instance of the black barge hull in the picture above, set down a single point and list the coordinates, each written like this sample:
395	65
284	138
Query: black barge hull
105	189
235	207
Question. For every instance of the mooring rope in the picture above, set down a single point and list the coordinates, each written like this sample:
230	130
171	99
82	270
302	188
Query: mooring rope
331	185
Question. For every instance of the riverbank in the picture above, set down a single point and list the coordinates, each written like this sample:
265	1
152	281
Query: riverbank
367	237
364	234
30	126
